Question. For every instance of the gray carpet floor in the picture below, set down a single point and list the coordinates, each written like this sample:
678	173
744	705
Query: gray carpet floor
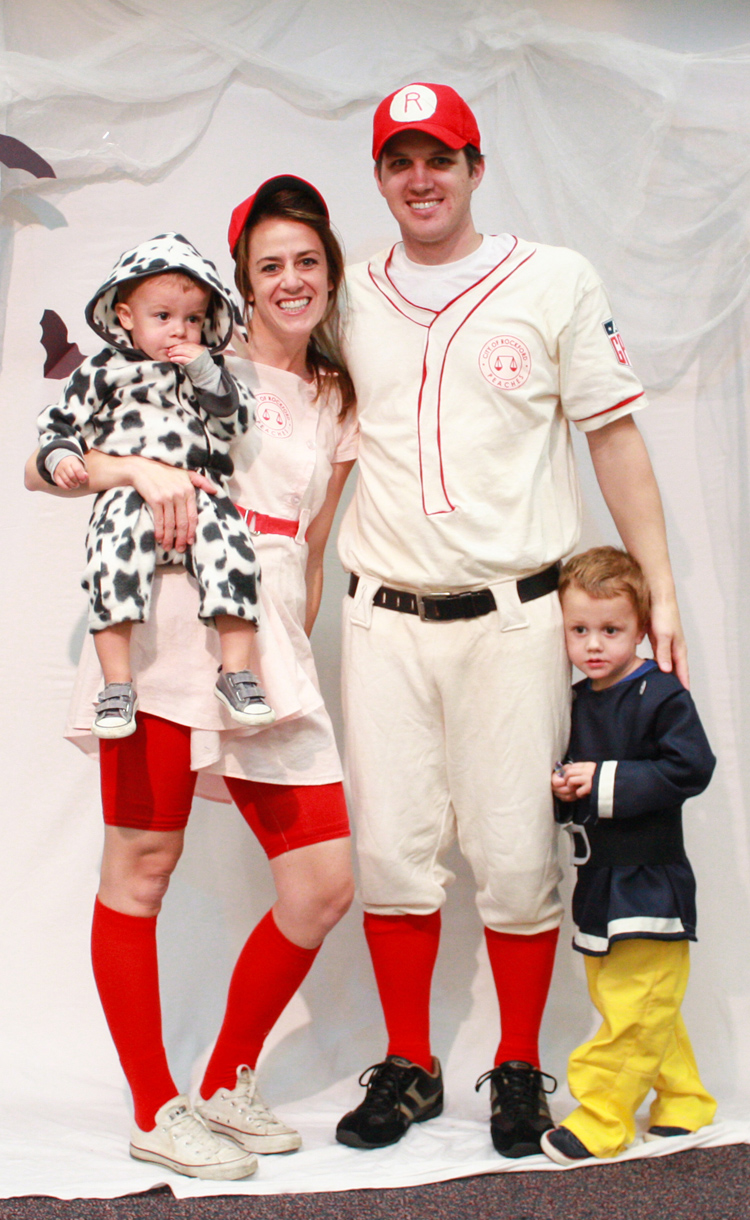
702	1184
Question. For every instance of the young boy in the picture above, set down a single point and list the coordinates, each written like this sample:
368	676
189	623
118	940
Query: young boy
159	389
637	751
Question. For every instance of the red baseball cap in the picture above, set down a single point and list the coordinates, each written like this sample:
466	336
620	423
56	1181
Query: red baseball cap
244	211
436	109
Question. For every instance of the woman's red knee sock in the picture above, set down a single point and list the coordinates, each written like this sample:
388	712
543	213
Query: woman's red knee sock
403	950
269	970
522	970
123	954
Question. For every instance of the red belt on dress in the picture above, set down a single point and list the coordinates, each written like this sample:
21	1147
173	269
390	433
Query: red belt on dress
261	523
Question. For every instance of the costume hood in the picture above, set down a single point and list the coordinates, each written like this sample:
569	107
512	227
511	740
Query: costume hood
167	252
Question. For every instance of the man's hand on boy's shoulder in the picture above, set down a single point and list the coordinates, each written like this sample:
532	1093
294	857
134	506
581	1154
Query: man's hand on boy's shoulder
573	781
668	641
185	353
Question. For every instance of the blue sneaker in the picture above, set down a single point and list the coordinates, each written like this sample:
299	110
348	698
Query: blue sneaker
659	1133
563	1147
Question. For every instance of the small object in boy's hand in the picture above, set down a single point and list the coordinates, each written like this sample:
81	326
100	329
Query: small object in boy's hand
559	768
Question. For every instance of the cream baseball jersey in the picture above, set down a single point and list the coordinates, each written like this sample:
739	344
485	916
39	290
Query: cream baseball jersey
466	470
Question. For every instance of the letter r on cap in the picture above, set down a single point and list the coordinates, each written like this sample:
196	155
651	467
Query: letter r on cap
413	101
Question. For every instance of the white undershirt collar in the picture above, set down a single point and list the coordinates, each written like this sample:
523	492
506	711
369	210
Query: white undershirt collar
432	286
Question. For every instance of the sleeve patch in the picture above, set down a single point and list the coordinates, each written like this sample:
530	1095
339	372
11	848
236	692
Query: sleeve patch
615	339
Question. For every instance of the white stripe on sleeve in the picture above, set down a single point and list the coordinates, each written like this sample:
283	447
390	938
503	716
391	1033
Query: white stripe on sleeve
606	801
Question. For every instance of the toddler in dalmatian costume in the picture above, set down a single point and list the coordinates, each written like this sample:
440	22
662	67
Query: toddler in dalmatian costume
159	390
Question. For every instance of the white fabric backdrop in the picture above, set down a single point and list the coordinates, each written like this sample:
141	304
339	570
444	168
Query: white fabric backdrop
155	118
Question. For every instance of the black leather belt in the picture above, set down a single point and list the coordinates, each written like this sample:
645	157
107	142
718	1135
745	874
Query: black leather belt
446	607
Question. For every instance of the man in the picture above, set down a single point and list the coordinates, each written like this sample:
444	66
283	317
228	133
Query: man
470	356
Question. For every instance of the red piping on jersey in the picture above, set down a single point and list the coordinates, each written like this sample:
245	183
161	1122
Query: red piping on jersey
476	283
606	411
423	308
424	325
440	379
452	508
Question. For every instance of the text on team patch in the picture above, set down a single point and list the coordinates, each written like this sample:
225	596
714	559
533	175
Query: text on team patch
272	415
505	361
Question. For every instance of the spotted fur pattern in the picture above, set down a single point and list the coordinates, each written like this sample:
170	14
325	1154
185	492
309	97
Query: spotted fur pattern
166	252
121	403
122	553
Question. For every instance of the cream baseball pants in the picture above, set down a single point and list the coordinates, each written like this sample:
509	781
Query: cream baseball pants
452	730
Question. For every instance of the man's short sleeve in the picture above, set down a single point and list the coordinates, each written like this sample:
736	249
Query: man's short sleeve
597	382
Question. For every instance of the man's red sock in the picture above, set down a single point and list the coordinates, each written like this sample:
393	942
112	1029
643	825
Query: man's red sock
403	950
522	970
123	954
269	970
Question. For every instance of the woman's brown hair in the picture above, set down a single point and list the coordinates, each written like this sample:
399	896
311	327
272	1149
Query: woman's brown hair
325	355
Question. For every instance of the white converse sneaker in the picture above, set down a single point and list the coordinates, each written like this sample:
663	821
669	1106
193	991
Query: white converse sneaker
182	1141
242	1114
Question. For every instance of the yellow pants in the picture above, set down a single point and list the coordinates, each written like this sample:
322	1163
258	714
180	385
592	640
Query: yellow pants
642	1044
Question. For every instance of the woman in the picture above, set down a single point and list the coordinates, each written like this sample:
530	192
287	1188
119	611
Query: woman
286	780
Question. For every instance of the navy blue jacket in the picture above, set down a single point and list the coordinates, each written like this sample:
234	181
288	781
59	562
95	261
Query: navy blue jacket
651	752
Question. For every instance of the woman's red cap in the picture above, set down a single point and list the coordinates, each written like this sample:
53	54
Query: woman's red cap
281	182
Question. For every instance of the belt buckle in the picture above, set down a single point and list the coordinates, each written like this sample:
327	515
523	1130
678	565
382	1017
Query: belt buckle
437	600
250	521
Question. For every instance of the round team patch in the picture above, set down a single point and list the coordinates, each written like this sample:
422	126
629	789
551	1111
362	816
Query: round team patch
413	103
272	415
505	362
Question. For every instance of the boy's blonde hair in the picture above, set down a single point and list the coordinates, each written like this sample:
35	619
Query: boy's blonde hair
606	571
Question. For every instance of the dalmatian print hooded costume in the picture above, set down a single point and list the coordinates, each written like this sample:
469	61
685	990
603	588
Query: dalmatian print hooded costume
121	402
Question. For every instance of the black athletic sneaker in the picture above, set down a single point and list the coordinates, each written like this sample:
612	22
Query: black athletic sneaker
518	1105
399	1093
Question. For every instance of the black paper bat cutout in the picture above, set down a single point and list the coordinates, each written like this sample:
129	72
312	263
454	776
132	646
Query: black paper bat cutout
62	355
17	155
